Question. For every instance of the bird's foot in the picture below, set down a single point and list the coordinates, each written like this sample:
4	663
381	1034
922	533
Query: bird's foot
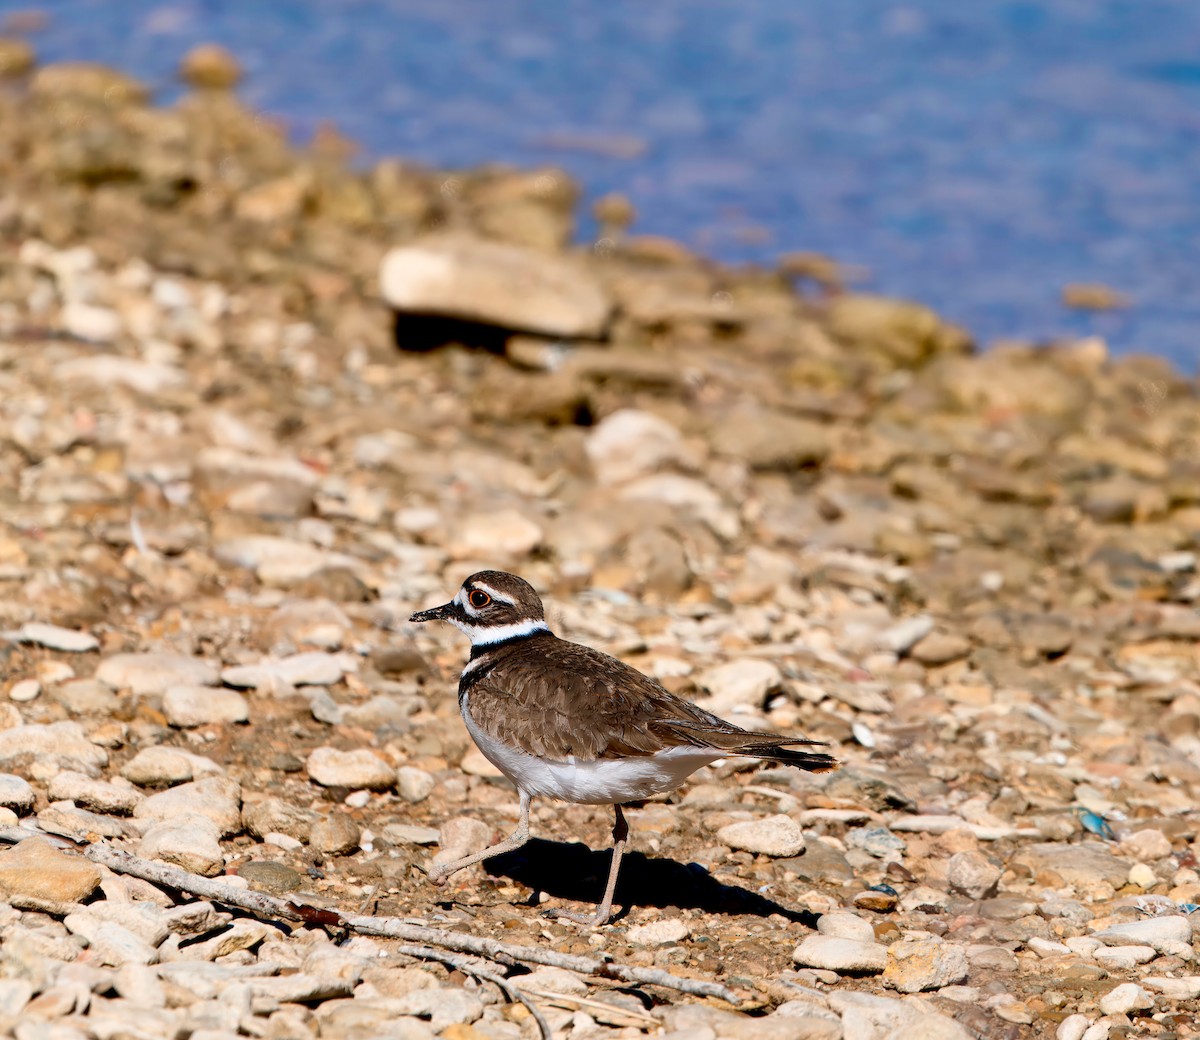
596	919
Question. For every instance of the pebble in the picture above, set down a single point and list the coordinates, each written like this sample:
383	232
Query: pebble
191	706
1146	845
913	967
1165	934
1125	998
109	943
743	683
276	879
972	874
54	637
846	926
414	785
460	276
312	668
845	956
61	744
505	535
777	835
903	636
461	836
335	835
103	796
155	673
191	842
277	816
216	797
35	869
1073	1027
1124	956
157	766
1185	988
631	443
15	793
666	932
24	690
876	841
359	769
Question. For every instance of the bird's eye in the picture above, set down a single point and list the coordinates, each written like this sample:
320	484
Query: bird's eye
479	599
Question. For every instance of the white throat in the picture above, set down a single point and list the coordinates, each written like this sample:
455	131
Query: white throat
486	635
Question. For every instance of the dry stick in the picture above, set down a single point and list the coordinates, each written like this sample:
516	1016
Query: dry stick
396	927
465	966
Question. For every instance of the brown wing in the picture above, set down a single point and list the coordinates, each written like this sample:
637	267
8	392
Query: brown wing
585	703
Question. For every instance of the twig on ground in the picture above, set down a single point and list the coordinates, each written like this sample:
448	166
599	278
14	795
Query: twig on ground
397	927
467	968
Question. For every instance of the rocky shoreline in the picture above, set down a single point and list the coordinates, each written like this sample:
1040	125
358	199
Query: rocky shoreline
229	471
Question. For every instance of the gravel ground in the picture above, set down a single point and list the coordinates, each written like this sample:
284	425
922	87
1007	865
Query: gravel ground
229	471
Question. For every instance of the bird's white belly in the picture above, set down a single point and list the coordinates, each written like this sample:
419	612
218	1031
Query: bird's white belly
599	782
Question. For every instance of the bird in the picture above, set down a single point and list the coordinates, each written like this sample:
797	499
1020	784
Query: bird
565	721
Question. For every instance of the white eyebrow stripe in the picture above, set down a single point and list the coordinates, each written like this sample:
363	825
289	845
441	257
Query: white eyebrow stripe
502	597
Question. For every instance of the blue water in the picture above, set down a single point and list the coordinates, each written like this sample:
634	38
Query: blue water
973	154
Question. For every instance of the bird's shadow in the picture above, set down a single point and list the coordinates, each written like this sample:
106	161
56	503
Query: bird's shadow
573	871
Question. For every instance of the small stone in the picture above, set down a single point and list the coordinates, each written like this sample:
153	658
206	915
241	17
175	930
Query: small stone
15	793
845	956
35	869
1126	998
100	795
1072	1027
914	967
90	322
191	842
846	926
876	841
877	900
940	648
1146	845
778	835
631	443
110	943
1185	988
414	785
1083	865
277	816
276	879
502	534
972	874
216	797
159	766
155	673
312	668
211	66
1142	876
62	745
743	683
460	276
770	440
659	933
1164	934
14	995
190	706
441	1006
904	635
1124	956
359	769
24	690
461	836
86	697
335	835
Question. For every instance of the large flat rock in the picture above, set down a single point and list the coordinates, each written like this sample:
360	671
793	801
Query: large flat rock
473	279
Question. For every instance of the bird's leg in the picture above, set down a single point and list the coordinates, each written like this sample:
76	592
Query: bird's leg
441	874
603	912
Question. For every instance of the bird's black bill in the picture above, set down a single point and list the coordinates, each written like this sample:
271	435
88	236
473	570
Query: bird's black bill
434	613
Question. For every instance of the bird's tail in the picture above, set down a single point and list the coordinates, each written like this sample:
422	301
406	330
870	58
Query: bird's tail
771	747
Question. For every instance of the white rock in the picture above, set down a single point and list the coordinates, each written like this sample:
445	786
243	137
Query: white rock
1124	956
1142	876
743	683
846	926
54	637
460	276
24	690
1072	1027
188	706
904	635
357	769
413	784
152	673
103	796
928	1027
191	842
631	443
924	964
441	1006
15	793
659	933
1162	933
216	797
144	377
59	744
1185	988
503	534
109	942
841	955
87	321
154	766
771	836
972	873
312	668
280	562
690	496
461	836
14	995
1126	998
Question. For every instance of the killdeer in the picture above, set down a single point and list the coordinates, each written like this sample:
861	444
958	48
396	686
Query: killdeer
562	720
